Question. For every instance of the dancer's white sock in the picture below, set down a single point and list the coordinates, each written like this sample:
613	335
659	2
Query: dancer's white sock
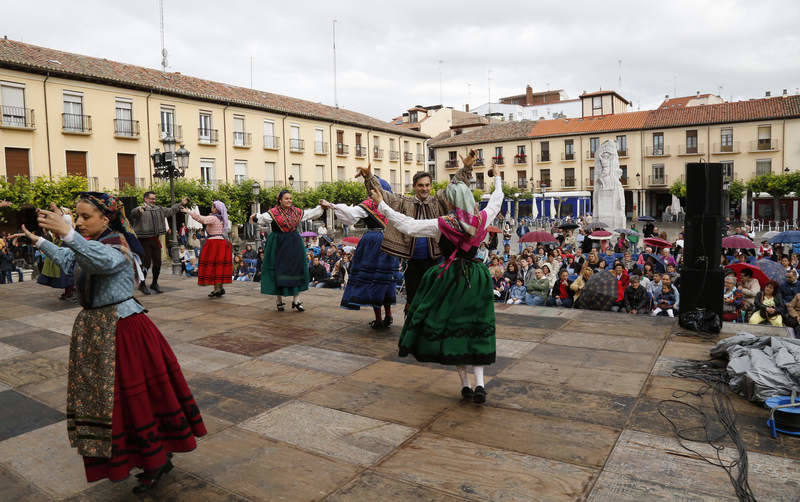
462	373
478	376
294	300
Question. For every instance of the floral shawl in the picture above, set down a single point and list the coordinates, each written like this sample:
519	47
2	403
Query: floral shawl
370	207
286	219
450	227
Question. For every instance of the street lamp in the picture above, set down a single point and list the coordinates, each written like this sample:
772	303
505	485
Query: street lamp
171	164
291	181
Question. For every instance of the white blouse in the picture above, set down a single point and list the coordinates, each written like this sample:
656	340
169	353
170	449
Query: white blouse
430	228
309	214
349	214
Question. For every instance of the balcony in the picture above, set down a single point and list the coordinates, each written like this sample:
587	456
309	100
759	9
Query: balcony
361	151
589	155
726	148
764	145
120	183
394	155
272	142
420	158
296	145
623	154
520	158
543	157
320	147
657	151
207	136
171	132
522	183
568	182
76	124
15	117
242	139
498	160
126	129
451	163
93	184
377	153
408	157
479	162
657	180
342	150
544	184
567	156
688	151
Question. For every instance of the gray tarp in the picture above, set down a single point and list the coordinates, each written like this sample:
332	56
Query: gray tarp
761	366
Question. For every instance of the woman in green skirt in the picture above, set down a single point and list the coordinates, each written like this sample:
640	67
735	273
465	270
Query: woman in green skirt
284	271
451	319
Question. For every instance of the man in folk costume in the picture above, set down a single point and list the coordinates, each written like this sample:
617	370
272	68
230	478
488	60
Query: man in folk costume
149	224
421	252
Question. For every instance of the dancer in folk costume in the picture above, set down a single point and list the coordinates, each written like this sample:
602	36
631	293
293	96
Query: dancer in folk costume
52	275
371	281
285	268
216	257
128	404
451	320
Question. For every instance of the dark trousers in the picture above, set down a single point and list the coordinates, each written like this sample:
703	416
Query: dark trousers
791	322
414	272
152	256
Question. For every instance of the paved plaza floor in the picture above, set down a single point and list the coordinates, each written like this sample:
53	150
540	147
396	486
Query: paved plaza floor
318	406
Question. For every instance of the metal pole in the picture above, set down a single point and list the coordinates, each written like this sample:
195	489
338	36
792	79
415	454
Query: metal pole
172	244
335	91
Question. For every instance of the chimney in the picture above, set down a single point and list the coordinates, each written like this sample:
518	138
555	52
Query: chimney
666	96
466	107
529	95
784	92
698	93
767	94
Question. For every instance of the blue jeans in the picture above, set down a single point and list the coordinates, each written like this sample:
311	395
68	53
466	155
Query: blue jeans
565	302
533	300
318	285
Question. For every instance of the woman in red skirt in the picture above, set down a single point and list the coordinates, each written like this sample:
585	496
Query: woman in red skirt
128	404
216	257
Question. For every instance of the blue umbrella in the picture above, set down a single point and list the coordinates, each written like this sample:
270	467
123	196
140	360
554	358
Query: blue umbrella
626	231
647	218
772	269
791	236
658	265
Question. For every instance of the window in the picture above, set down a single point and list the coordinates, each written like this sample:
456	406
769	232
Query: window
479	181
521	150
569	177
432	154
658	174
624	178
123	117
691	141
204	132
545	176
319	174
207	171
167	122
763	166
296	172
545	146
340	174
727	170
358	139
498	153
340	147
522	180
319	140
239	171
412	117
405	147
726	139
270	174
391	145
452	155
270	141
419	149
764	137
238	131
407	178
378	172
479	153
376	140
597	105
295	143
569	149
594	144
12	99
658	143
73	111
622	146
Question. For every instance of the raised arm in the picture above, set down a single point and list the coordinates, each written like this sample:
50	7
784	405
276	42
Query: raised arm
312	214
495	201
264	218
372	182
410	226
349	214
92	256
205	220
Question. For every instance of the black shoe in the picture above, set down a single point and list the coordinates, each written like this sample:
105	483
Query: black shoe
143	288
298	306
376	324
387	321
479	396
280	306
154	287
214	294
466	393
148	480
221	291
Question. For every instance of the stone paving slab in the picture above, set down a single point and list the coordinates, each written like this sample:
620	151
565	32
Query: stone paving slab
37	341
276	378
314	358
583	379
20	414
30	368
369	484
203	359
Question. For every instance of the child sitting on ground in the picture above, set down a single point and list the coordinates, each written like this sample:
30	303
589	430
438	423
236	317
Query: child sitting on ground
191	267
665	301
518	292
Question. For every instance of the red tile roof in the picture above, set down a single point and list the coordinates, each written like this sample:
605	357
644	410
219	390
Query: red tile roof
496	132
599	124
722	113
31	58
681	101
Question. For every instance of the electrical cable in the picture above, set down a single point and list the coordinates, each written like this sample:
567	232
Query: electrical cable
714	379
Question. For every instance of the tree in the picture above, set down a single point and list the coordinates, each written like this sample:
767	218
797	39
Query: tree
42	191
777	185
737	190
678	189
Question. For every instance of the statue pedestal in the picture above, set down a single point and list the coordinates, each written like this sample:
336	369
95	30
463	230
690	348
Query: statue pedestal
608	209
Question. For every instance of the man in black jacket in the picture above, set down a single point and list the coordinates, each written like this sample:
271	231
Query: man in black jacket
318	274
636	299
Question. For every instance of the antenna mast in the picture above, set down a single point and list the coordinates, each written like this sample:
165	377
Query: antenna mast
163	49
489	86
251	72
619	82
335	89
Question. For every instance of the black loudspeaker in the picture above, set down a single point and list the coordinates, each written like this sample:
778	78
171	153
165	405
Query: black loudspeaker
703	189
702	241
130	203
702	288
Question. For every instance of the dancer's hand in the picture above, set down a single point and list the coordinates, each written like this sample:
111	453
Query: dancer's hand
252	218
25	233
324	203
376	196
469	160
184	210
54	222
364	172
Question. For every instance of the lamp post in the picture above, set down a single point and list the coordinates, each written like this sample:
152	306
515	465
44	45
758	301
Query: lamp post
256	209
171	164
291	181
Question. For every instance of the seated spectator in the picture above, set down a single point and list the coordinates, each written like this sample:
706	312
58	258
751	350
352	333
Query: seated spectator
549	274
494	264
249	253
538	288
318	274
623	280
506	253
593	260
731	299
665	301
791	286
561	295
769	306
602	265
642	258
792	319
239	269
579	283
627	261
191	267
570	266
483	253
667	258
636	300
673	274
794	261
741	258
655	286
749	288
518	293
259	262
512	273
337	279
499	284
666	279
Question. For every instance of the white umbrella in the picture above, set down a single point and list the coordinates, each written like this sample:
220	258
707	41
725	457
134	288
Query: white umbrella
552	207
534	209
191	223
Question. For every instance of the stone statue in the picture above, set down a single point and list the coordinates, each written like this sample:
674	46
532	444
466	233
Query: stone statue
609	197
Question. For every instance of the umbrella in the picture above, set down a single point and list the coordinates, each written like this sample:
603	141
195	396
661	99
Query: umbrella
493	230
600	235
770	234
758	274
553	208
568	226
600	292
626	231
596	225
657	243
772	269
308	234
538	236
791	236
647	218
351	240
658	265
534	209
737	242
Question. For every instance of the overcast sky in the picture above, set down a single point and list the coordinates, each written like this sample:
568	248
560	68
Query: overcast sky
388	52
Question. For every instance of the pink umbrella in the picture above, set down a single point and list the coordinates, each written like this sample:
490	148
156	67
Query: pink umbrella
600	235
538	236
738	242
657	243
351	240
